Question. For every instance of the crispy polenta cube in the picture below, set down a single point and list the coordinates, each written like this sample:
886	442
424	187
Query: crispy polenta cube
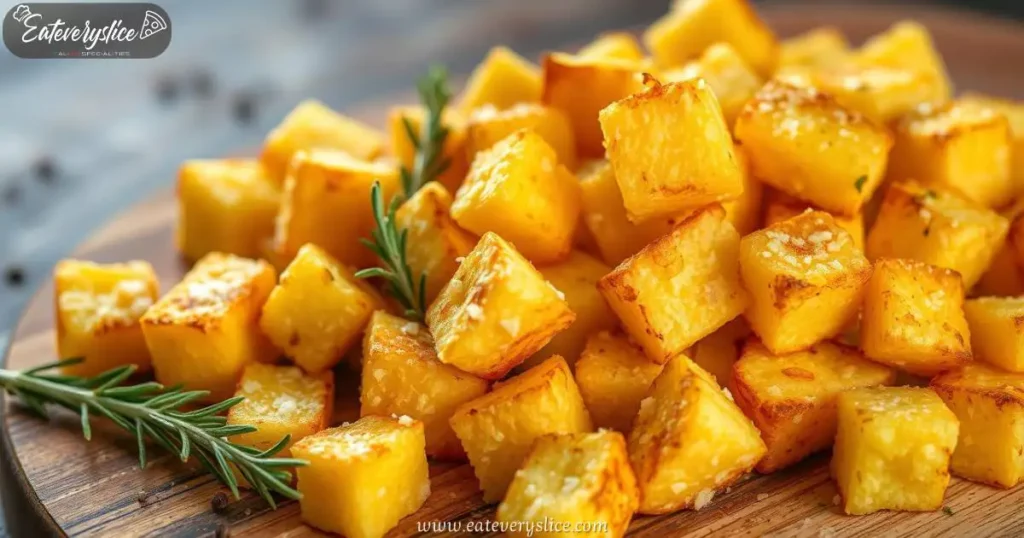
315	288
990	405
680	288
820	47
488	125
671	150
780	206
913	317
621	45
694	25
454	143
363	477
402	376
98	308
688	441
518	190
718	352
908	45
963	146
792	398
805	277
498	428
892	449
225	205
997	330
614	375
731	79
495	312
503	79
313	125
578	479
800	141
1014	112
582	87
434	241
205	330
937	227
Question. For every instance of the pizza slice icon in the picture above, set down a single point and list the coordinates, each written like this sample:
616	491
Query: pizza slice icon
152	24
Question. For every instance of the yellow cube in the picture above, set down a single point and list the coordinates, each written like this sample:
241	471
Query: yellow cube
313	125
488	125
997	330
892	449
732	80
614	375
806	279
226	205
317	311
780	206
990	406
205	330
689	441
97	309
621	45
498	428
821	47
402	376
792	398
326	201
454	144
363	477
680	288
671	150
581	479
800	141
519	190
496	311
937	227
503	79
745	211
1014	112
718	351
908	45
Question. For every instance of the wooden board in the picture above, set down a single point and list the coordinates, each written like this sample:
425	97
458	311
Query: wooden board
95	488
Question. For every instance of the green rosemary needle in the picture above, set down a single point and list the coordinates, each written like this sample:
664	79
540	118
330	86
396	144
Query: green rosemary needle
429	161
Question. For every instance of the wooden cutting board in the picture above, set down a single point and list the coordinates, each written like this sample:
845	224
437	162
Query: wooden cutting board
70	486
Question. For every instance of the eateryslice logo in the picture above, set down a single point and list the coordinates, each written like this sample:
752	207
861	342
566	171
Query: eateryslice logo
59	30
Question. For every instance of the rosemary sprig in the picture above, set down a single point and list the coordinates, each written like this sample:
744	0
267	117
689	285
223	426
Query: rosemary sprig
429	161
152	411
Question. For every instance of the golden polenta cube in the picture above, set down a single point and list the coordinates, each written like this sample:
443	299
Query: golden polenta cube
363	477
576	479
326	201
498	428
488	125
318	310
98	308
402	376
434	241
717	352
732	80
805	277
614	375
225	205
908	45
820	47
989	403
938	227
518	190
1014	112
997	330
495	312
622	45
503	79
680	288
313	125
800	141
892	449
205	330
913	317
780	206
689	441
792	398
454	143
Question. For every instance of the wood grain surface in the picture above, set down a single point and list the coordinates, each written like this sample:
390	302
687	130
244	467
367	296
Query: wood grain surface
95	488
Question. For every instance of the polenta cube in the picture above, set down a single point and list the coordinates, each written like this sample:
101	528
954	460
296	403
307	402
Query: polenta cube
318	310
498	428
805	277
732	80
613	375
780	206
454	150
997	330
225	205
363	477
717	352
689	441
792	398
495	312
744	212
990	406
402	376
488	125
575	479
313	125
621	45
821	47
908	45
502	80
1014	112
892	449
205	330
800	141
680	288
98	308
520	191
671	150
913	317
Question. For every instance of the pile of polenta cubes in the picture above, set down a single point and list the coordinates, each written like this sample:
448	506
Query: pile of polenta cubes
649	273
